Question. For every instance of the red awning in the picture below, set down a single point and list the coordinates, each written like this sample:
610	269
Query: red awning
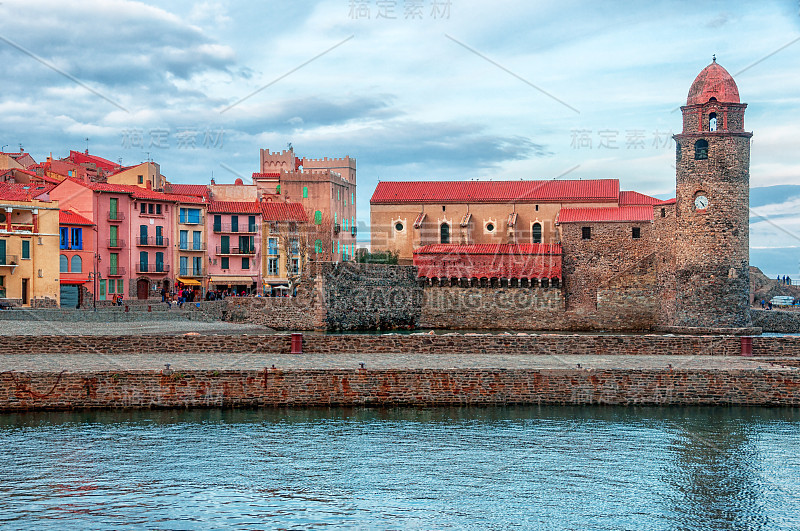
75	281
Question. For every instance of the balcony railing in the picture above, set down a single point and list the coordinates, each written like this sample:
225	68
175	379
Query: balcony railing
116	271
116	244
152	269
190	272
227	227
9	260
236	250
116	216
152	241
191	246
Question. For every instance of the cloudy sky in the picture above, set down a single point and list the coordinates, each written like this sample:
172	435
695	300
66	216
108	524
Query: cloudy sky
429	89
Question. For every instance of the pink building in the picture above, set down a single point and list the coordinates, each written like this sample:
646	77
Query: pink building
133	235
76	253
234	245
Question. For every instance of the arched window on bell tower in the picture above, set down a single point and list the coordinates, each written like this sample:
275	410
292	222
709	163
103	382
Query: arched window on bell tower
712	121
444	233
536	231
701	149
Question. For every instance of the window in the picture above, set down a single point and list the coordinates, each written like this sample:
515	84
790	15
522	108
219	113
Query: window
677	151
251	224
278	189
182	215
444	233
77	238
184	239
318	246
586	233
295	266
197	240
113	263
292	227
636	233
537	208
141	179
273	227
2	287
234	223
158	208
150	209
102	285
338	195
712	121
245	263
294	245
272	246
26	249
160	262
76	264
197	265
701	149
318	217
64	238
120	286
247	244
193	216
536	233
113	235
305	192
398	227
143	234
63	264
143	208
225	262
143	258
490	227
113	207
183	265
217	223
272	266
159	235
663	212
111	286
225	244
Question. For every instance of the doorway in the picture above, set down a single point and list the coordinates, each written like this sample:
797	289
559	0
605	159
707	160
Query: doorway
25	298
142	288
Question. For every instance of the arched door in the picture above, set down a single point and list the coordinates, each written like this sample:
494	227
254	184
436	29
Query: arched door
142	287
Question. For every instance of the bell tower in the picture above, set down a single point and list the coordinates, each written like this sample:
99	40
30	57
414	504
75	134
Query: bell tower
711	241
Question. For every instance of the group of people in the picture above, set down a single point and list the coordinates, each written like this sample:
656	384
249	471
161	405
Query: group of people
785	280
180	297
219	294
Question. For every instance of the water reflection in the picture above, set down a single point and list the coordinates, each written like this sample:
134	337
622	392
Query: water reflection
532	467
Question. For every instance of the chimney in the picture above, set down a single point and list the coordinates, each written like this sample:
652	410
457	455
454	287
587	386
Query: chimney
212	181
149	184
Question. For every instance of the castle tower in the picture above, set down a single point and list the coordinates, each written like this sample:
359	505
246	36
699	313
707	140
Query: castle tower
711	245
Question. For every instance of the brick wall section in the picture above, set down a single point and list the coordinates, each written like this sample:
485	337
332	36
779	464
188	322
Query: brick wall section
425	344
406	387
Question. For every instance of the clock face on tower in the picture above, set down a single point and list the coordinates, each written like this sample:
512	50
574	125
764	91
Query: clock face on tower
700	202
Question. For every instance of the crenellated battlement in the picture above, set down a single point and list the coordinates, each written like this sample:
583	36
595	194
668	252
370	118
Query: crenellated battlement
325	162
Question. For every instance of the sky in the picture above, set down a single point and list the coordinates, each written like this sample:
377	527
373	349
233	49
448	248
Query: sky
414	90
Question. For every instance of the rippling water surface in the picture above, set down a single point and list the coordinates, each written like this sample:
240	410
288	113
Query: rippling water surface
515	467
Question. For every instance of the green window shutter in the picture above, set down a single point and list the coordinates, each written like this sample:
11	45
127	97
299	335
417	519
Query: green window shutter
278	189
318	217
305	192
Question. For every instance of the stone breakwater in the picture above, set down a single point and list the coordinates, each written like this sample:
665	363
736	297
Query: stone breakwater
466	344
396	387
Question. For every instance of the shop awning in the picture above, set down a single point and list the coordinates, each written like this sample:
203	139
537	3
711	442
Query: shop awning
189	281
231	280
275	282
74	281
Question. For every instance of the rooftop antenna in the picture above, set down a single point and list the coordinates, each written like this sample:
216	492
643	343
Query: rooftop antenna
148	155
714	58
20	147
87	145
120	161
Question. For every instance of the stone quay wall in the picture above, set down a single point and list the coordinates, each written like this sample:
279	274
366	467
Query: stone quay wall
152	311
776	321
425	344
25	391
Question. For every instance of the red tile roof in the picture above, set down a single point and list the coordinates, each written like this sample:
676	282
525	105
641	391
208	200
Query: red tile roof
713	82
266	175
68	217
489	261
611	214
139	192
593	190
283	212
667	202
635	198
84	158
198	190
234	207
22	192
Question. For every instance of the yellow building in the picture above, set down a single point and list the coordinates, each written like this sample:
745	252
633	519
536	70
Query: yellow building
146	175
29	252
285	245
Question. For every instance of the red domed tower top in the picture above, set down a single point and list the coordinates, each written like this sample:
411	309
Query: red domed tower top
713	82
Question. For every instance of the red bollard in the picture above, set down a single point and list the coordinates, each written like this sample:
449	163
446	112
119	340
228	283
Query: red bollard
297	343
127	308
747	346
149	308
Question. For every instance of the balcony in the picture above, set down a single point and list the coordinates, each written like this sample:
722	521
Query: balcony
152	241
116	244
245	251
10	260
337	228
235	229
151	269
191	247
190	272
116	216
116	271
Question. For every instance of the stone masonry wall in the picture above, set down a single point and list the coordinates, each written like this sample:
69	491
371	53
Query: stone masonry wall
422	344
398	387
776	321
